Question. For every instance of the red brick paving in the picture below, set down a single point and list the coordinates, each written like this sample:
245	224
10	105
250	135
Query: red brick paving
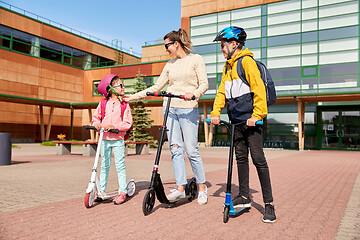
310	188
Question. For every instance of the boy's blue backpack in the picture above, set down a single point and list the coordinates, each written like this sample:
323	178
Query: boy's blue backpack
265	76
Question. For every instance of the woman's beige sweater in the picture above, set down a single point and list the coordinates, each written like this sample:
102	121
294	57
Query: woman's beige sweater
183	75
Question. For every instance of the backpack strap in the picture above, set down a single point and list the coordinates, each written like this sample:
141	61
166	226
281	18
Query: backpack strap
103	107
123	105
241	71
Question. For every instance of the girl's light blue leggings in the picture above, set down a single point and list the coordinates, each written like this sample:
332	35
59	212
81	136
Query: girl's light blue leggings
118	147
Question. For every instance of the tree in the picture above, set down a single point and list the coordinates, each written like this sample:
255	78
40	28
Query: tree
141	120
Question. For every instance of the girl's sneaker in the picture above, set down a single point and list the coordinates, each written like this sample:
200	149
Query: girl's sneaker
269	216
120	198
175	195
202	197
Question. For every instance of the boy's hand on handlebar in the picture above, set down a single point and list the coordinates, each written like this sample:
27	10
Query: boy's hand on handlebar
188	96
251	122
215	120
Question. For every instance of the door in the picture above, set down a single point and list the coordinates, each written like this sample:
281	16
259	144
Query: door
340	129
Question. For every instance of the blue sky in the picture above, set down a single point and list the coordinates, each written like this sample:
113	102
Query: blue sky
133	22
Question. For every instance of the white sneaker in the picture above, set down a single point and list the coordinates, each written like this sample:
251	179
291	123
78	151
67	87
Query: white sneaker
175	195
202	197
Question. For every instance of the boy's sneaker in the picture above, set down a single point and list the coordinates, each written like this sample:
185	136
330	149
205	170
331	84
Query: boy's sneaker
241	202
120	198
202	197
269	216
175	195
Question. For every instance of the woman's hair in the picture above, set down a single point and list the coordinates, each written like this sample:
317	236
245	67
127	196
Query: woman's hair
181	37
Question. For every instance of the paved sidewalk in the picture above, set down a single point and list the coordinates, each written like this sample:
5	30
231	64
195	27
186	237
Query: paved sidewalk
316	193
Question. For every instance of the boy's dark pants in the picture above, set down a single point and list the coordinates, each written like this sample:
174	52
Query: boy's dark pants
245	139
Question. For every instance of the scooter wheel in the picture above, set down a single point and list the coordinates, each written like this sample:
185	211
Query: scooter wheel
192	190
89	199
226	214
148	202
131	188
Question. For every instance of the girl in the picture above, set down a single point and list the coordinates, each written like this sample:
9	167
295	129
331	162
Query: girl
114	118
185	72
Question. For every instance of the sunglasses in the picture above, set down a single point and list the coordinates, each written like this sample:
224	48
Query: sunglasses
168	44
119	85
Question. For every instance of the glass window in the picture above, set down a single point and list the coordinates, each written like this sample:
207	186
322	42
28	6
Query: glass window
246	12
22	41
95	88
201	30
222	25
284	29
284	6
211	68
309	83
309	71
338	57
283	18
309	14
281	40
148	80
204	39
253	33
338	82
309	3
309	25
208	48
209	58
224	16
247	23
333	45
339	21
283	62
339	69
309	48
308	60
284	50
288	85
309	37
336	33
253	43
328	2
285	73
51	50
5	36
344	8
202	20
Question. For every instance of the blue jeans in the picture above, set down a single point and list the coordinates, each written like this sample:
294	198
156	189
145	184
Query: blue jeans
118	147
182	125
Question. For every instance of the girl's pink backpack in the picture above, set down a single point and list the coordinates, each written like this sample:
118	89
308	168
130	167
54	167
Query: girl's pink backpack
123	107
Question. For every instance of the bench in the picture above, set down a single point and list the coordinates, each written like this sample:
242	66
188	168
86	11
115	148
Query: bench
89	148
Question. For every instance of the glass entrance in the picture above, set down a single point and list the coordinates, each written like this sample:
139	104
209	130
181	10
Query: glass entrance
340	129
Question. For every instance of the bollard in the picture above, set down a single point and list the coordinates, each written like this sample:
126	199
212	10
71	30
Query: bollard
5	149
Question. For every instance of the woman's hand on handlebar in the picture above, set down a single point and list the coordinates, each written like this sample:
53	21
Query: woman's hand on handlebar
215	120
188	96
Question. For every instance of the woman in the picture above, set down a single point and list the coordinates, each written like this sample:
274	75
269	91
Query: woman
185	73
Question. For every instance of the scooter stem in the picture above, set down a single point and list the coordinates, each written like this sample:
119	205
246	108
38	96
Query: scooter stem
231	155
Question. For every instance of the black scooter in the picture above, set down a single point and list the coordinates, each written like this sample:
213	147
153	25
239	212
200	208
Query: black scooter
156	187
228	206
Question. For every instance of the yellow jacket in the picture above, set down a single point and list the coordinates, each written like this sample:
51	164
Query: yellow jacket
243	101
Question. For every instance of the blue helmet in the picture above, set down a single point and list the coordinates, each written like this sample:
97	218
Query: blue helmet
231	33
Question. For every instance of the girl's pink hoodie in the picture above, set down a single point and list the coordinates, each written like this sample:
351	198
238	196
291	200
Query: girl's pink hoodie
113	117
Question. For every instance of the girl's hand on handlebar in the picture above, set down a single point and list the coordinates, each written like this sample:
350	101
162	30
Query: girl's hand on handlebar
97	126
188	96
108	127
215	120
251	122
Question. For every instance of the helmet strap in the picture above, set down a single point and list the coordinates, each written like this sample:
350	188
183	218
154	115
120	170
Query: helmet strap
114	92
231	53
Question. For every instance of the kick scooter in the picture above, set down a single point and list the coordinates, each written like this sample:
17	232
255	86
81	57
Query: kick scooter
94	184
156	187
228	206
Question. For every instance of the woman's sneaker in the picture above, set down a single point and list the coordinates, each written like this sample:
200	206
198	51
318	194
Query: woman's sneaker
120	198
175	195
269	216
202	197
241	202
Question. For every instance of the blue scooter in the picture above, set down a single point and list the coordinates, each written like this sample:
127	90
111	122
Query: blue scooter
228	206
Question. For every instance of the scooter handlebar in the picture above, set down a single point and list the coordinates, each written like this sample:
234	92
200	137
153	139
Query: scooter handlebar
208	120
165	94
94	128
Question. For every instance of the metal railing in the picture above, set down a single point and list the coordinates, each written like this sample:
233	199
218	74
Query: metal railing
66	28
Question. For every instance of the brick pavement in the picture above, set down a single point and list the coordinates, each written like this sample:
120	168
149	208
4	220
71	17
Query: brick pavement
42	198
